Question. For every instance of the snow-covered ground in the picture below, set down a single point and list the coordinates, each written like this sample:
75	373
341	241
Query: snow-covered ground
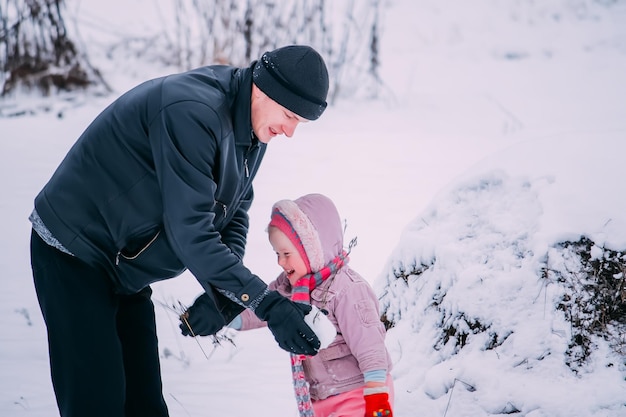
522	99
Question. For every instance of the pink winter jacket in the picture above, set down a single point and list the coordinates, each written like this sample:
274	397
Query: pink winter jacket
352	307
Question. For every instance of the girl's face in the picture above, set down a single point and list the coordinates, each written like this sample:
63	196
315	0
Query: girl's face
288	256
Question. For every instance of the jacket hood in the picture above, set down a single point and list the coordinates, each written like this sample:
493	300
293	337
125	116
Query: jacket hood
316	220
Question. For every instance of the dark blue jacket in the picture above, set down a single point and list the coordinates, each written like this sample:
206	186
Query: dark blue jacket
161	181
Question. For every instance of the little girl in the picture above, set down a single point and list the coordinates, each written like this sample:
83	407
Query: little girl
350	377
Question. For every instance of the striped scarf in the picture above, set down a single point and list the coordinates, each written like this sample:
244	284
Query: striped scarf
302	294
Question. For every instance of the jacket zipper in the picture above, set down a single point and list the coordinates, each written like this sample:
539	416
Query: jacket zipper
253	145
130	258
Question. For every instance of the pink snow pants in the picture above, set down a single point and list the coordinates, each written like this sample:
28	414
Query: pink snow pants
347	404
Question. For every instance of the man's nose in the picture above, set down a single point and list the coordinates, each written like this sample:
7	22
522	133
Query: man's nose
290	128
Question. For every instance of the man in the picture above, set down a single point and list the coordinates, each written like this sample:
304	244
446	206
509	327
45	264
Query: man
160	182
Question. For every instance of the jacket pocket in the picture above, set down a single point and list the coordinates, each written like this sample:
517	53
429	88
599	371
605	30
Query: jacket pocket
337	351
152	261
132	252
340	364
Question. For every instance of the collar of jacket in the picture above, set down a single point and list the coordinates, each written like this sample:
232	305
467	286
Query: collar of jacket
240	109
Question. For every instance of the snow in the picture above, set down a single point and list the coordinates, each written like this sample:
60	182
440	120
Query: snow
322	327
501	132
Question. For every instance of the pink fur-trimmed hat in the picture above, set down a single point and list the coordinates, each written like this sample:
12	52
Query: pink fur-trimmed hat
295	224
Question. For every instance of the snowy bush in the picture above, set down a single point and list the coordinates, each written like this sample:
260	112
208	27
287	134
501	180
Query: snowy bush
36	53
592	283
495	283
593	298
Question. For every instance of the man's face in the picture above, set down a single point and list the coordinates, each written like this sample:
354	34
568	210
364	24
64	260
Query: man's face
270	118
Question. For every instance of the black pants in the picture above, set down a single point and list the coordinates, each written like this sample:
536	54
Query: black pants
103	348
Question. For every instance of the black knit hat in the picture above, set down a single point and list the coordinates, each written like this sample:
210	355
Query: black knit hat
295	77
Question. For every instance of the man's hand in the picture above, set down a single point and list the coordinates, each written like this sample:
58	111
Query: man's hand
286	321
202	318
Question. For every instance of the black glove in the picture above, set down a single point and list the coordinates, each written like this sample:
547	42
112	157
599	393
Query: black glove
202	318
286	321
